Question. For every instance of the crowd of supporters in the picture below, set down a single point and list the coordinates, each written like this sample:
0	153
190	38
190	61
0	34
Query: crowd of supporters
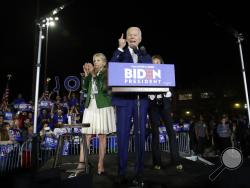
209	135
16	120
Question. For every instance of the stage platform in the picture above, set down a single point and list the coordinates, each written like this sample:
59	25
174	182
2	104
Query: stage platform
195	174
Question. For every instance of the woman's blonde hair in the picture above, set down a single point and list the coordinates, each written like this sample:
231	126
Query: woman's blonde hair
102	56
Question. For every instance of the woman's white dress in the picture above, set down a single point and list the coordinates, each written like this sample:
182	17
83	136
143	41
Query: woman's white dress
102	120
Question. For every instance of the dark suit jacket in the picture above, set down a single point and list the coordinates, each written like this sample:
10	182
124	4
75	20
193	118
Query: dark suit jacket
125	57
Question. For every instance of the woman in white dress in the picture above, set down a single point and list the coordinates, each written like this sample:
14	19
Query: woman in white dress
99	111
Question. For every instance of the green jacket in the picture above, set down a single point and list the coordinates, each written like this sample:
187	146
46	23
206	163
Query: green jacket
103	98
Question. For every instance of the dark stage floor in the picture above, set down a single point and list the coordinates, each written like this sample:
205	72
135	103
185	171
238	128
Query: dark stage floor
195	174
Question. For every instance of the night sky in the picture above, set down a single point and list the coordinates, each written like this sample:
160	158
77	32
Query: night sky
196	38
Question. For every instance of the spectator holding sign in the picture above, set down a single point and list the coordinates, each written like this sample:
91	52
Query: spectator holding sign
43	116
59	118
18	100
73	101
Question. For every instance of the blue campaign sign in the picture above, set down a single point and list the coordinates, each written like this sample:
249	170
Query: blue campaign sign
24	107
130	74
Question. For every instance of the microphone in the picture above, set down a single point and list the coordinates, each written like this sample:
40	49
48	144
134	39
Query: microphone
142	53
143	50
136	51
139	52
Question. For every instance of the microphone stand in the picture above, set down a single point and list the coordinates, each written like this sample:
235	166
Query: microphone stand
138	182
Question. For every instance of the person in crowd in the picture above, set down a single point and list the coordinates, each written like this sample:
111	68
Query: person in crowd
211	134
244	135
15	131
192	136
5	137
99	112
126	105
224	133
18	100
1	120
73	115
59	118
56	104
65	104
235	134
8	114
45	130
45	101
201	133
43	116
160	109
73	100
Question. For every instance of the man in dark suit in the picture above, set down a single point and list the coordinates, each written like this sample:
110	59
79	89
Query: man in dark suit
126	105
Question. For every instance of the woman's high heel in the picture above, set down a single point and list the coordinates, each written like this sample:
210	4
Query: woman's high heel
100	171
79	170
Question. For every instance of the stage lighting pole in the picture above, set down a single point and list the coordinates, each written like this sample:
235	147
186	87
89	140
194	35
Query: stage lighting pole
38	67
35	139
41	23
35	136
50	22
46	53
240	38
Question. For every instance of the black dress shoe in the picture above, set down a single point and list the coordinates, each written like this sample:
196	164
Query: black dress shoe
138	181
101	173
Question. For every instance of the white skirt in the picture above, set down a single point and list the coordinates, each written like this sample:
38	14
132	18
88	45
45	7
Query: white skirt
102	120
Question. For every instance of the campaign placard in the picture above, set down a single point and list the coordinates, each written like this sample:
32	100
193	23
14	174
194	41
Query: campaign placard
145	75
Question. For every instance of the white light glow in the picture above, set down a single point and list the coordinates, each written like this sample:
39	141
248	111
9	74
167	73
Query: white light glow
55	12
52	24
236	105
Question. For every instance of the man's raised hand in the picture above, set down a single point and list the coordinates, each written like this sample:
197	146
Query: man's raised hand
122	42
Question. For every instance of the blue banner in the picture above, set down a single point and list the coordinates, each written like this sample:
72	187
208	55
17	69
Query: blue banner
131	74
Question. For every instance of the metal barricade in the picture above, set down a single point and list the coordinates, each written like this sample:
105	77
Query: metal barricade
74	140
181	137
183	143
9	158
111	145
25	153
44	154
70	145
